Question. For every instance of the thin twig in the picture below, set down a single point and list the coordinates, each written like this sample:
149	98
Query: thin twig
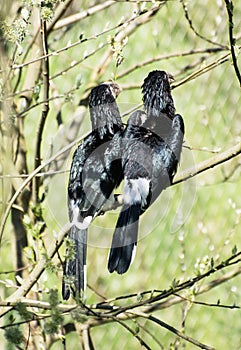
201	290
44	102
167	57
187	284
125	313
191	76
59	14
184	5
29	179
38	270
230	8
131	26
123	23
172	301
173	330
203	70
82	15
209	163
135	334
87	341
216	305
152	336
202	149
45	109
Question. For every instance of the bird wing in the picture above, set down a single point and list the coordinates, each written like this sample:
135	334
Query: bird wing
94	173
92	180
166	156
137	167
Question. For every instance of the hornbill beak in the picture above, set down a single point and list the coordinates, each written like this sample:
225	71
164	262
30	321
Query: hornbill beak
171	78
115	88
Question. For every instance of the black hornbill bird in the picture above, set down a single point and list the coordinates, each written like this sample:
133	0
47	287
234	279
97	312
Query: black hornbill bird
152	144
94	173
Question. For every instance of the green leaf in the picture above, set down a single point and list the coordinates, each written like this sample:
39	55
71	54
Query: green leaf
14	335
175	283
234	250
23	312
139	297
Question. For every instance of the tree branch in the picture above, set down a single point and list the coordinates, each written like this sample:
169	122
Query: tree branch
182	176
87	341
82	15
59	14
123	24
173	330
158	58
209	163
230	8
29	179
121	314
201	290
184	5
38	270
45	109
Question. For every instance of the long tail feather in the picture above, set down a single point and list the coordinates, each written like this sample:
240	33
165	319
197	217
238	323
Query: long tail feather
124	239
75	267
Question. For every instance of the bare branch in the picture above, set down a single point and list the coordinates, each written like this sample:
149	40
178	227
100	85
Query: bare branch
230	8
45	109
29	179
44	102
87	341
82	15
125	313
158	58
59	14
132	24
123	23
173	330
191	76
232	260
38	270
141	341
201	290
209	163
184	5
216	305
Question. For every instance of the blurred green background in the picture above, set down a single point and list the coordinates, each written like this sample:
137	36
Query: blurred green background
192	222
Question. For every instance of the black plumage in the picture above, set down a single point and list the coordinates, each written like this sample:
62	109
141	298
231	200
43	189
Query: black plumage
94	173
152	147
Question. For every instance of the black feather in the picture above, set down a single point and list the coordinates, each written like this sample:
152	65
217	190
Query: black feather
124	239
94	174
153	142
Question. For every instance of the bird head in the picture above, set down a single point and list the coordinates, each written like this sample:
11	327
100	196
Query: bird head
157	96
104	93
104	111
114	88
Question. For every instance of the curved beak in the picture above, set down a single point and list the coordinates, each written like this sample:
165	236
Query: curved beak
115	88
171	78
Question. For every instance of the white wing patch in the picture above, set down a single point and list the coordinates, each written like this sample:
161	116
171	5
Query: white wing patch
136	190
76	222
133	254
143	118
